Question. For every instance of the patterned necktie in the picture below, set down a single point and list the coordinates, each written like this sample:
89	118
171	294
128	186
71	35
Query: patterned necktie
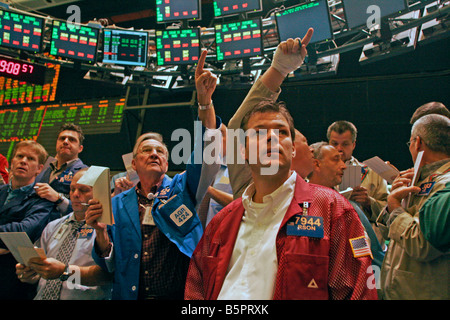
53	287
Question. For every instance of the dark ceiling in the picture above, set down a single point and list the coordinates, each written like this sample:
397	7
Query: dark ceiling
139	14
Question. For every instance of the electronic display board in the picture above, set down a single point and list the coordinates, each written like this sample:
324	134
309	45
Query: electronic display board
42	122
295	21
21	31
125	47
356	10
176	10
230	7
237	40
73	41
22	70
178	46
13	92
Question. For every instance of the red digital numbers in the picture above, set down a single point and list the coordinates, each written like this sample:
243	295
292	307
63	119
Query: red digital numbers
15	68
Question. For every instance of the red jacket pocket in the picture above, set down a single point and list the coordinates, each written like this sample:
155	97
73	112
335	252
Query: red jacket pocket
305	277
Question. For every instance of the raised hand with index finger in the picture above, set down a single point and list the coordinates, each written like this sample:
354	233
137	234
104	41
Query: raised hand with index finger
205	81
289	55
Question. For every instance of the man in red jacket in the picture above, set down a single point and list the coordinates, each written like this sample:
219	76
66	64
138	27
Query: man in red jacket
285	238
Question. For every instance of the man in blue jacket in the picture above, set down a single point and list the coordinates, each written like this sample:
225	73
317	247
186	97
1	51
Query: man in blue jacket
21	210
54	181
156	227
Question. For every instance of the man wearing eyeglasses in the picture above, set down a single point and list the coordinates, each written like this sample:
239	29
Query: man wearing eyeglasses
156	224
416	266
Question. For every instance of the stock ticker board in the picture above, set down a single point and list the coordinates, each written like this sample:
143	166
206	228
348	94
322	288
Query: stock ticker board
42	122
15	92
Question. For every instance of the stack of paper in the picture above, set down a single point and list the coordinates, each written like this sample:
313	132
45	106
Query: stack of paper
20	246
98	178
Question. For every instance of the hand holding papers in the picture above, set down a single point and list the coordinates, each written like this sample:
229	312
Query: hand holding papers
98	178
20	246
351	177
131	173
405	202
384	170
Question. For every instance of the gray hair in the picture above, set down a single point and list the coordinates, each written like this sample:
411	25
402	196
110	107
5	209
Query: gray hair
317	149
434	130
149	136
340	127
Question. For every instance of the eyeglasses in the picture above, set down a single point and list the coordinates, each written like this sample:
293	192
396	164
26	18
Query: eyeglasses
411	141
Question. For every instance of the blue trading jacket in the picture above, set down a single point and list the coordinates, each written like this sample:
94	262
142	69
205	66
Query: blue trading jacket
173	213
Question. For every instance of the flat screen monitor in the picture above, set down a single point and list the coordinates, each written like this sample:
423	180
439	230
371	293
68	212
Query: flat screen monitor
295	21
237	40
176	10
356	10
21	31
74	41
177	46
230	7
125	47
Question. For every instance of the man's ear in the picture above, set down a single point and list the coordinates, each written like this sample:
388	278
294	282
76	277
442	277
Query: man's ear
81	148
418	145
41	166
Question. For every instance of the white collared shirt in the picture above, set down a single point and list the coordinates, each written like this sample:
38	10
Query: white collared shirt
253	265
51	241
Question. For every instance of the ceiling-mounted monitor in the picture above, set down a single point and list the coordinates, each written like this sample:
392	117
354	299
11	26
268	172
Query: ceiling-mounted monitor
125	47
177	46
21	31
74	41
295	21
176	10
237	40
229	7
360	13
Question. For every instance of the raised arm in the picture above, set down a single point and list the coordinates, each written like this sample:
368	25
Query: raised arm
288	57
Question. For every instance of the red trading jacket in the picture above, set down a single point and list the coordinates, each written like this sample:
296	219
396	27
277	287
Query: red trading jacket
3	168
329	261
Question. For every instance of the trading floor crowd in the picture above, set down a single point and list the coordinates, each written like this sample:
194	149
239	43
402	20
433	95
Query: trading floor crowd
265	220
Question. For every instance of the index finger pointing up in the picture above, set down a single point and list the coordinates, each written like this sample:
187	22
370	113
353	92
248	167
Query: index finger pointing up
201	63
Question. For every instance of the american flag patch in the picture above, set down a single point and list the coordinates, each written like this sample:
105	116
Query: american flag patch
360	247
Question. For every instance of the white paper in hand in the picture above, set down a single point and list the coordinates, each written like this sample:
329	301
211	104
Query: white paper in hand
405	201
131	173
384	170
351	177
98	178
20	246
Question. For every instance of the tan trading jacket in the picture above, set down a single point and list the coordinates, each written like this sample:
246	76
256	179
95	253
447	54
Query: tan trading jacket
413	268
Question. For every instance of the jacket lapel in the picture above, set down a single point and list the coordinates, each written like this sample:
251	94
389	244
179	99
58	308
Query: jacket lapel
130	204
227	241
17	201
302	193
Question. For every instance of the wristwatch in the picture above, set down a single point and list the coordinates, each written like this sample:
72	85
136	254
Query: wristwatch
60	198
205	107
66	274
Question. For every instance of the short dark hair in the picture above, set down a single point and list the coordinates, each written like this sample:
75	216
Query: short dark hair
73	127
340	127
267	106
433	107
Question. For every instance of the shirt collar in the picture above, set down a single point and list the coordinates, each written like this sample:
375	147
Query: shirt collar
429	168
275	197
54	167
23	189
